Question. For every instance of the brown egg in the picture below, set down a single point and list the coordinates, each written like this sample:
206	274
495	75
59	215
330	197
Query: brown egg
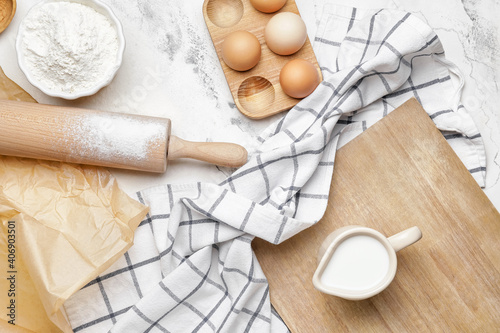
241	50
268	6
299	78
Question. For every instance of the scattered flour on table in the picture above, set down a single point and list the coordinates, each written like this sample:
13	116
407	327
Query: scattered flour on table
69	47
109	137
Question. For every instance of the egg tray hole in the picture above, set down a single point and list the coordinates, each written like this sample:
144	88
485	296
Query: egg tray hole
256	93
225	13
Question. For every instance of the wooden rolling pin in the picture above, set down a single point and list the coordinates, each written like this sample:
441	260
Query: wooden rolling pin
101	138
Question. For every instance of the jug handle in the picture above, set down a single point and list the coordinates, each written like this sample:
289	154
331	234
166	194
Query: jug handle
405	238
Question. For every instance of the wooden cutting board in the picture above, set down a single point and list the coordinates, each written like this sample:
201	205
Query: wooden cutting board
399	173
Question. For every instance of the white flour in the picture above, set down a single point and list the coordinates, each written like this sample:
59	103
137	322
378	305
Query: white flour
109	137
69	47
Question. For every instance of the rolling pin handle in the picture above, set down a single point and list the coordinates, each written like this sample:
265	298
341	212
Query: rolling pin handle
218	153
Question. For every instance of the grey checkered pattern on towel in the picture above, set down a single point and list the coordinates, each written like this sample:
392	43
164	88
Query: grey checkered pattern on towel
192	268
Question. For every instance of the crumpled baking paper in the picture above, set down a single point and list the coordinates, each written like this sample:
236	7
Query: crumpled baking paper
62	225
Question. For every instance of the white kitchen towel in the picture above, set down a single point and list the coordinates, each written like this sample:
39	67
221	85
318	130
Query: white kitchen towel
192	268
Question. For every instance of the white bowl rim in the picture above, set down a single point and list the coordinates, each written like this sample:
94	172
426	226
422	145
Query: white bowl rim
101	84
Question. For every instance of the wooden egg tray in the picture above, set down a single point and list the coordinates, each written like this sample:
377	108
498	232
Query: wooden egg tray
256	92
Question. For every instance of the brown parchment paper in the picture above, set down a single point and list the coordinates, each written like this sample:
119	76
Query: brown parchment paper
70	223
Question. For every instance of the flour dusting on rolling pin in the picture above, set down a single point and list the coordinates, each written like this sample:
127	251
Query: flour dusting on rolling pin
105	136
68	47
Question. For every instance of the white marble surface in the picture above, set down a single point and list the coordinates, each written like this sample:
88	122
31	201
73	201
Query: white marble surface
170	69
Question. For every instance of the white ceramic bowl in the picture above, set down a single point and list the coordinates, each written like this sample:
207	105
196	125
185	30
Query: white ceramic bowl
104	81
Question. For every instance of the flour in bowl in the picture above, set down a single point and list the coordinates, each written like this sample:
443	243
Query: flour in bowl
69	47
